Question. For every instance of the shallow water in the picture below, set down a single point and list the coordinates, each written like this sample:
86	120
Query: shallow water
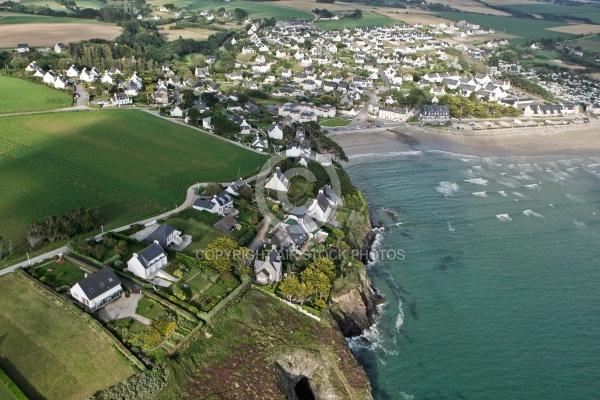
498	295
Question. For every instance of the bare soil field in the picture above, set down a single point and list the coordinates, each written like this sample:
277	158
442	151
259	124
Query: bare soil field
577	29
471	6
188	33
49	34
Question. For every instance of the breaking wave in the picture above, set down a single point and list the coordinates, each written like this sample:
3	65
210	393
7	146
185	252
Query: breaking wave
477	181
503	217
480	194
447	188
530	213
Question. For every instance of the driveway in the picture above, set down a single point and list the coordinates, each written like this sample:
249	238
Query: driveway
125	307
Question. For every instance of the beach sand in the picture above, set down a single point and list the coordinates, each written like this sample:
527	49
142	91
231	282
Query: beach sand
573	139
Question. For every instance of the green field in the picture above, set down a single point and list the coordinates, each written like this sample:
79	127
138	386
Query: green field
255	10
592	13
42	19
50	352
131	164
368	19
19	95
526	28
337	121
588	43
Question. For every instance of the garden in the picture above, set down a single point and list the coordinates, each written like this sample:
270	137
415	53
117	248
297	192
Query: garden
60	275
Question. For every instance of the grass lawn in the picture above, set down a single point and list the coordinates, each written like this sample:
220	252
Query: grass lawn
19	95
50	352
149	308
129	163
337	121
197	283
202	234
62	274
526	28
368	19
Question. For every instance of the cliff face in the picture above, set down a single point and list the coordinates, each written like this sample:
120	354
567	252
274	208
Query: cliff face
355	304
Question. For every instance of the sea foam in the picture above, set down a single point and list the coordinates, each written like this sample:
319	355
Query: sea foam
480	194
447	188
400	317
503	217
530	213
503	193
477	181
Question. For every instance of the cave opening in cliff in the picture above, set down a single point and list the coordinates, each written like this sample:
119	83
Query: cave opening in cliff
303	390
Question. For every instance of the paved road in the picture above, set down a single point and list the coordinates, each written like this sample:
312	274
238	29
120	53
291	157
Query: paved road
82	98
260	236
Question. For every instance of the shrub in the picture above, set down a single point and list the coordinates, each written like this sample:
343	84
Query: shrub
118	264
141	386
112	260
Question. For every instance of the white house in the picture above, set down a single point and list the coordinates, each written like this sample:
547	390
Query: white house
72	72
320	209
59	48
86	76
278	182
120	99
221	204
148	262
22	48
60	82
268	271
275	131
176	112
165	235
107	78
98	289
49	77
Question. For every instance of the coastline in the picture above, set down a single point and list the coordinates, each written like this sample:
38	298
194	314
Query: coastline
575	139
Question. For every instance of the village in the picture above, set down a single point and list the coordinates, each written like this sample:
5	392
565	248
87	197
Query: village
378	77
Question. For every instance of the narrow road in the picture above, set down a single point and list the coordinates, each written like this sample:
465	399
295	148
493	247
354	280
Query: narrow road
260	236
82	97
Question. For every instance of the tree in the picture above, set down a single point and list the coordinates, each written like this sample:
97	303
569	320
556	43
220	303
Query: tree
19	63
293	290
1	246
222	254
121	248
240	13
246	192
165	325
212	189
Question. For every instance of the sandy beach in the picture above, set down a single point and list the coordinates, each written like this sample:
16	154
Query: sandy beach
573	139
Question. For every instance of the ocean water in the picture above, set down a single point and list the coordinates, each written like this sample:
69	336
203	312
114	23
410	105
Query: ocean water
498	296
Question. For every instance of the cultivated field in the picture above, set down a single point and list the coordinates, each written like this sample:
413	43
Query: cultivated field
412	17
50	352
368	19
525	28
578	29
130	164
48	34
19	95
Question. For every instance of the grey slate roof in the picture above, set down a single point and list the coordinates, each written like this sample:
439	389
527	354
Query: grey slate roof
160	234
150	253
99	283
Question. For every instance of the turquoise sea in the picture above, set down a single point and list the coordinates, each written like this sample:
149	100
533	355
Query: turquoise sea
498	296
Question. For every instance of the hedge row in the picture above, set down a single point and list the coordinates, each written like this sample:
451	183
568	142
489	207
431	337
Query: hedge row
185	314
144	284
97	326
111	260
233	297
11	386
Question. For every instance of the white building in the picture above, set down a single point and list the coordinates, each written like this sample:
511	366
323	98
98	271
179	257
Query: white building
275	131
268	271
148	262
278	181
97	289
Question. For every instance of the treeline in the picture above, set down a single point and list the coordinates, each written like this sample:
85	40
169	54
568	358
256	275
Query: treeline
313	285
462	107
415	98
63	226
529	86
